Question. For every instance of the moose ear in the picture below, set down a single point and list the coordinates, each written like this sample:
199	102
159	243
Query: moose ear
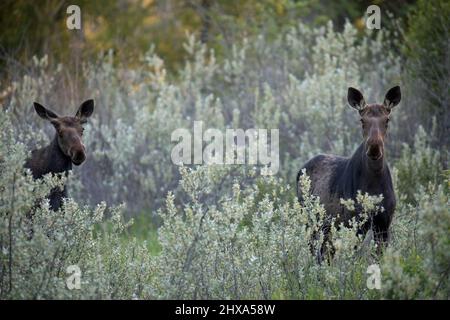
355	99
44	113
392	98
85	110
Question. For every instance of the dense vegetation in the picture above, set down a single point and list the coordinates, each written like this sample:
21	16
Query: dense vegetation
227	231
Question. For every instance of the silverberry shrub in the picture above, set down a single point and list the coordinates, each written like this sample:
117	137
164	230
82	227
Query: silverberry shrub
225	231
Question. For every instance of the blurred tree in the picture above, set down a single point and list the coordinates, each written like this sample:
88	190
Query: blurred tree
31	28
129	27
428	50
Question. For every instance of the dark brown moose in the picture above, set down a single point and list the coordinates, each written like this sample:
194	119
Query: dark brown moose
334	177
66	147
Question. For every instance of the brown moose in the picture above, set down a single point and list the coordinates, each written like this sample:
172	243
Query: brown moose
65	149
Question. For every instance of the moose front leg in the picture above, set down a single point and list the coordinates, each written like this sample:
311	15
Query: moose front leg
381	237
381	232
56	198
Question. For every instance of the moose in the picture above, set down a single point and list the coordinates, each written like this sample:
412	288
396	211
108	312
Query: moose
65	148
335	177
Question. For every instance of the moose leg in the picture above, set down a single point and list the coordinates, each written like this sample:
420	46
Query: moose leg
327	250
381	236
324	249
381	231
56	198
362	231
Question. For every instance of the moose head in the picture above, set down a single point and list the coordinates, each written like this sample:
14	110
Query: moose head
69	130
374	119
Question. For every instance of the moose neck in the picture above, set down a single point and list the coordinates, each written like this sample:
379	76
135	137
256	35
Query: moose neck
57	160
370	168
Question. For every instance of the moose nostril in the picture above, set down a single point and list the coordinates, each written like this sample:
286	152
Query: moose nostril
374	152
78	157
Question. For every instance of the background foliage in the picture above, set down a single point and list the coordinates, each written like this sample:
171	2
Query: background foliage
219	231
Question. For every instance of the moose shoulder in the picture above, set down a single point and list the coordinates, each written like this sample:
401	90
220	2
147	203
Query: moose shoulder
65	149
334	177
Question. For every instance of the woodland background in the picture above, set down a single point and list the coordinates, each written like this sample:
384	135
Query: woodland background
140	227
